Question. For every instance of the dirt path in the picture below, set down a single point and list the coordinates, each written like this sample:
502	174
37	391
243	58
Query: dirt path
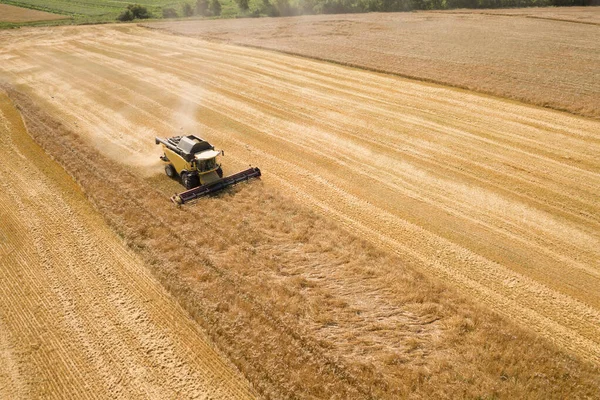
81	316
498	198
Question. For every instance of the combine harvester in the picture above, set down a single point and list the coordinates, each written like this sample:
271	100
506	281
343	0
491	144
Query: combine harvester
194	160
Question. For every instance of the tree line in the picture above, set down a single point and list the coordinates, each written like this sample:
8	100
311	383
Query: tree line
275	8
298	7
206	8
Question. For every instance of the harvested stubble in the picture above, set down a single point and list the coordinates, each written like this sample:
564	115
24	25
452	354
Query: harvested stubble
540	61
582	15
304	309
15	14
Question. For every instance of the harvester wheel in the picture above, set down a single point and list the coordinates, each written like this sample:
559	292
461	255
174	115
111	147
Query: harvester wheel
170	170
220	172
189	181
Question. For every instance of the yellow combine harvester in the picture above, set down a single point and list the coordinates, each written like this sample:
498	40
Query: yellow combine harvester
194	160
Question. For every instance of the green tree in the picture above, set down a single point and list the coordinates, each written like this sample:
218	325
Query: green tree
134	11
268	9
243	5
187	10
139	11
215	7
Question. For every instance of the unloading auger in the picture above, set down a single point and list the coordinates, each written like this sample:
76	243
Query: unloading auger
194	161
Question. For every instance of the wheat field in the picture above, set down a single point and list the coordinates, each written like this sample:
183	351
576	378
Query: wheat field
539	56
406	240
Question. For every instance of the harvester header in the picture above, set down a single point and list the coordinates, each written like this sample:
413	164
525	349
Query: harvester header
194	161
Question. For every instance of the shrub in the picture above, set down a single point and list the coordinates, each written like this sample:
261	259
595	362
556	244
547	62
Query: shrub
134	11
139	11
125	16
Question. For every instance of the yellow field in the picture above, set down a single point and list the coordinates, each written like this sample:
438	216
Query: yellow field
522	54
10	13
495	198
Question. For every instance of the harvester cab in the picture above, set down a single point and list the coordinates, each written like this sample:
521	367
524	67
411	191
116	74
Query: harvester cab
194	161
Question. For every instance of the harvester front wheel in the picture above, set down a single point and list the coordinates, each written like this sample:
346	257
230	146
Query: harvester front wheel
189	181
170	171
220	172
